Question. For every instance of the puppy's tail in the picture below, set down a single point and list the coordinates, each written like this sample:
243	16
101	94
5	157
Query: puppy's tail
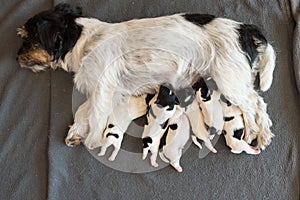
265	65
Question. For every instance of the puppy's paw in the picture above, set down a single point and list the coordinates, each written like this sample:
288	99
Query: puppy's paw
213	150
155	164
73	140
112	158
92	142
101	153
177	166
179	169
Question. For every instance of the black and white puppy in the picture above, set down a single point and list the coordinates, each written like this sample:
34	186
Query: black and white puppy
129	58
162	107
208	97
200	131
118	122
174	139
234	129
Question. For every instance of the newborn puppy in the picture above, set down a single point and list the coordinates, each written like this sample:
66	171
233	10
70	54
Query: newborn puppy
208	96
132	108
161	108
234	129
201	134
174	139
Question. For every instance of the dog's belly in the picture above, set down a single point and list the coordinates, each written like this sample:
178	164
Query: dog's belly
147	81
146	70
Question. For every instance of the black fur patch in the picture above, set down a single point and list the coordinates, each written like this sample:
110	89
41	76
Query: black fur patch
206	86
212	130
148	98
164	125
254	143
173	126
238	133
110	126
199	19
246	34
163	139
55	30
151	113
223	98
147	141
200	108
206	126
206	98
199	140
146	121
185	96
257	82
113	134
165	97
211	83
171	107
227	119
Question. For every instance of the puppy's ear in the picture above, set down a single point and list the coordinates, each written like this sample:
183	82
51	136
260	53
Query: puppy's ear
21	32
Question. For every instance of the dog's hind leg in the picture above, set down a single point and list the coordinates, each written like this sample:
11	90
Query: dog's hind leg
261	118
78	130
102	103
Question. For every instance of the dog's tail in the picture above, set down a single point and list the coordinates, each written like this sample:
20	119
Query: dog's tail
265	65
259	53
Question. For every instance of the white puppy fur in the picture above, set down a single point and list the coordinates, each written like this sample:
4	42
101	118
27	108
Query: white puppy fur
118	122
197	124
177	136
129	58
212	111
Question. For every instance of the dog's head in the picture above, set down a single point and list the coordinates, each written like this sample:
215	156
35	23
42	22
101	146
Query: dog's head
48	36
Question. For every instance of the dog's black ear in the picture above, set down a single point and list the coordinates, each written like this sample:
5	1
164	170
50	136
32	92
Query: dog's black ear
57	30
50	37
68	9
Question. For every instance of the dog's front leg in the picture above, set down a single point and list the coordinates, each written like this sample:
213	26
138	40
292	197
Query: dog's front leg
78	130
101	107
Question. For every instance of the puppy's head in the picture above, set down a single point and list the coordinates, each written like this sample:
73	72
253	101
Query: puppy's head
166	98
48	36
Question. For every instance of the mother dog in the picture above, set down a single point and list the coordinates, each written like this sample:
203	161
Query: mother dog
111	61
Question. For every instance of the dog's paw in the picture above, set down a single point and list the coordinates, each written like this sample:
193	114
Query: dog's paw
265	138
73	140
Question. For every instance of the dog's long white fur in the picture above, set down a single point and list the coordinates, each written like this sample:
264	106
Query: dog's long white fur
130	58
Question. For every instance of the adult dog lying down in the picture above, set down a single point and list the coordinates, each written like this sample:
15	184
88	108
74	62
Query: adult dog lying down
111	61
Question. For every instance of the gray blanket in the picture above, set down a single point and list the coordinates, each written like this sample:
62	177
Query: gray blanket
36	110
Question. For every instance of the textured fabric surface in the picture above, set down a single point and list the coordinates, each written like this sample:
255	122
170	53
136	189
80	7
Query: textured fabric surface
36	110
